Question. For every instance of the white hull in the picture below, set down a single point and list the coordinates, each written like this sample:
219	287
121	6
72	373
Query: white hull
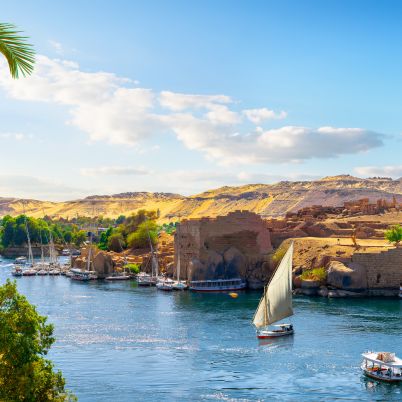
264	334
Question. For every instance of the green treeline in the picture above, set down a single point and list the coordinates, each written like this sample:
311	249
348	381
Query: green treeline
13	231
134	231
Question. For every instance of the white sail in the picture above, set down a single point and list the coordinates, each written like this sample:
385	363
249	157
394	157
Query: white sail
276	303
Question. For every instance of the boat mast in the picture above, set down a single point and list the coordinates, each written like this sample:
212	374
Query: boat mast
30	254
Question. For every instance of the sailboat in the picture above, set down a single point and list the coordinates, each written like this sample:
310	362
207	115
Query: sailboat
179	285
143	278
276	303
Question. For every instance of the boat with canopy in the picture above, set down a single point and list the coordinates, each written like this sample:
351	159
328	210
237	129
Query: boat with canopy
384	366
276	303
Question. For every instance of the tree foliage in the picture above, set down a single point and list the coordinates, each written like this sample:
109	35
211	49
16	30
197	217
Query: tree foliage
147	230
394	234
26	337
13	231
18	52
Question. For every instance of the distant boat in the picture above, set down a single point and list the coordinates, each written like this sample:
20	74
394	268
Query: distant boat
165	284
400	290
276	303
218	285
145	279
383	366
178	284
20	261
79	275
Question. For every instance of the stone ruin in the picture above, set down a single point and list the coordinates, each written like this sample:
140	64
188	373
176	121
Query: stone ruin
231	246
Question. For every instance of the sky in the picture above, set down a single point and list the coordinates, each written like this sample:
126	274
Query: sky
182	97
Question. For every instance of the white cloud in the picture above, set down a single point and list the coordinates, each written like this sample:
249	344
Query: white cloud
114	171
394	171
257	116
56	46
21	186
15	136
112	109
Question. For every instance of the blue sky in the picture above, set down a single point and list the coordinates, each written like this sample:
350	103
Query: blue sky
185	96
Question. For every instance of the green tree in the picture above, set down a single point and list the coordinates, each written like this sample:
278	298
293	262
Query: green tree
145	231
79	237
116	242
394	234
133	268
26	337
18	52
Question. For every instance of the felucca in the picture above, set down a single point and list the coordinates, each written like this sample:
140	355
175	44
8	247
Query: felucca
276	303
179	285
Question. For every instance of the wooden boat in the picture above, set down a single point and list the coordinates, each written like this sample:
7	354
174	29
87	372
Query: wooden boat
80	275
383	366
276	303
165	284
218	285
145	279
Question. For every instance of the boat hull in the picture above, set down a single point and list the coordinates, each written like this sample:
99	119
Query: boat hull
273	334
384	377
117	278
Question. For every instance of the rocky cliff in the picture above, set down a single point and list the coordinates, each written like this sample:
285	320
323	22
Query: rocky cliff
264	199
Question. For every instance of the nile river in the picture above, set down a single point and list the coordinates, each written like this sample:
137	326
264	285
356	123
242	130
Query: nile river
118	342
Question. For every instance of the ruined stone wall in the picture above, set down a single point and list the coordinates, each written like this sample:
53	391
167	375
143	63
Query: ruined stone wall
384	269
227	246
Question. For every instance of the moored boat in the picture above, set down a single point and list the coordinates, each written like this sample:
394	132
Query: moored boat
218	285
118	277
383	366
145	279
17	271
29	272
80	275
165	284
20	260
179	284
276	303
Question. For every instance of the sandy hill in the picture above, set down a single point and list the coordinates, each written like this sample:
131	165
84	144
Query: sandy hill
264	199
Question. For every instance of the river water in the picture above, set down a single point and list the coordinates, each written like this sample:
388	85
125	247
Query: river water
116	341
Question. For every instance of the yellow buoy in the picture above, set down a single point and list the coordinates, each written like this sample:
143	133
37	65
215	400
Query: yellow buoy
233	294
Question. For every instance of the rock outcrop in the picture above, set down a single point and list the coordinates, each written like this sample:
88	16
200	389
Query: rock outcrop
231	246
349	277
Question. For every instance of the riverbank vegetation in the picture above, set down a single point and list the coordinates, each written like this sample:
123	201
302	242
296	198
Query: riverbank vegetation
13	231
315	274
26	337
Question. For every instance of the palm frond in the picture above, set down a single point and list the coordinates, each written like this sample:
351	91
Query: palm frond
19	53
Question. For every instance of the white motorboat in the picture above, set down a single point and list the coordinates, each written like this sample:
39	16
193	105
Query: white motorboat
383	366
218	285
165	284
20	261
276	303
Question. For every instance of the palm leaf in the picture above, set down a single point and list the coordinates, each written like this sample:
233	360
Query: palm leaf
18	52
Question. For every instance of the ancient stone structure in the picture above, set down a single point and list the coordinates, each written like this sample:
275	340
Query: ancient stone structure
235	245
383	269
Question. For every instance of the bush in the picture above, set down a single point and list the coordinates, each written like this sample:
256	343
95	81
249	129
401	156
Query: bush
315	274
133	268
394	234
